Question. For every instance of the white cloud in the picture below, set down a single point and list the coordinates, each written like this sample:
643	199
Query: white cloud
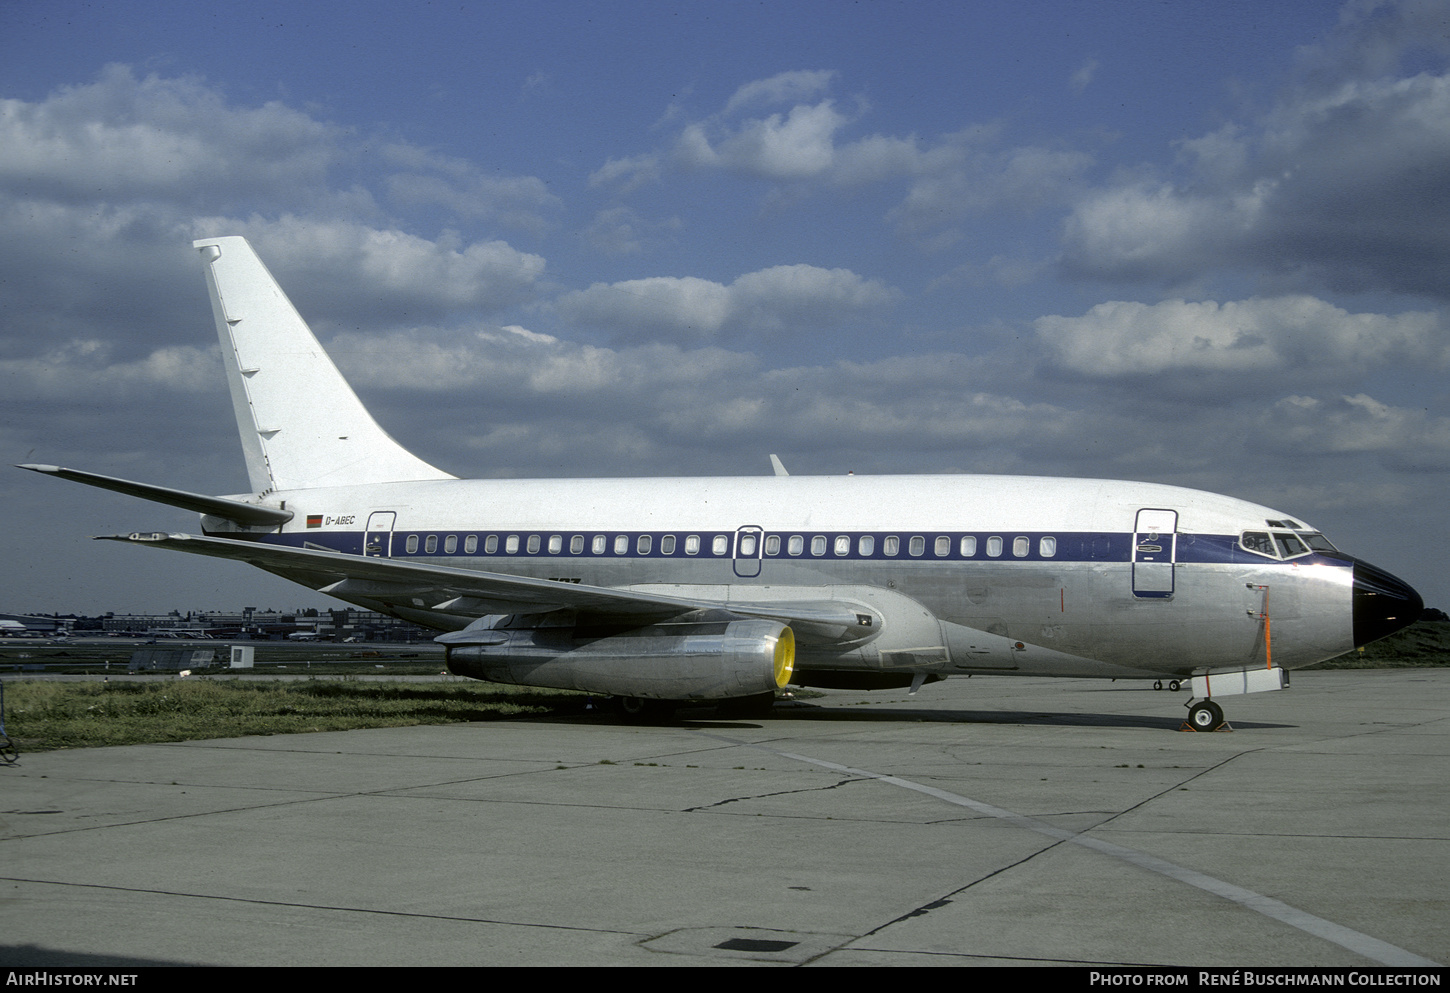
620	230
355	271
1294	334
627	173
465	190
781	298
1359	424
511	362
171	139
787	87
89	369
1083	76
1343	186
966	172
798	145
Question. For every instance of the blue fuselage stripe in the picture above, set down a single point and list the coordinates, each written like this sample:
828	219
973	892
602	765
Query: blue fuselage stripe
493	545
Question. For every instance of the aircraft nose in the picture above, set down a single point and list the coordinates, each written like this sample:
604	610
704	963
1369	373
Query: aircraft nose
1382	604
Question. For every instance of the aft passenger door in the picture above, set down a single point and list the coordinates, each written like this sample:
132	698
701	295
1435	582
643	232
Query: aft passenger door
1155	549
378	540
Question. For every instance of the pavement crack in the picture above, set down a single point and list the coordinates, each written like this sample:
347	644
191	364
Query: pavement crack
777	793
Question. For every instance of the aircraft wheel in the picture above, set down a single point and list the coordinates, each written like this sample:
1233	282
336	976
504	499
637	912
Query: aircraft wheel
759	705
1205	716
1174	686
1158	684
639	711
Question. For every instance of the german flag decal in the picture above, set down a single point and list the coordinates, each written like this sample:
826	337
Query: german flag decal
314	520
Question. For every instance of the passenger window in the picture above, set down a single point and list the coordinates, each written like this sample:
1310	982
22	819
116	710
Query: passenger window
667	545
490	544
556	544
1047	547
450	544
576	544
943	547
891	545
412	544
797	545
692	545
1020	546
430	544
917	546
772	545
866	546
621	545
818	545
969	546
470	544
511	544
720	545
994	546
533	544
843	544
747	546
598	544
643	545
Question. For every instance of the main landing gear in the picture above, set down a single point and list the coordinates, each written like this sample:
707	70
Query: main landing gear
636	711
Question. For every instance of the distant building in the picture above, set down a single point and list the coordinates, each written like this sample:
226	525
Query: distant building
33	626
265	625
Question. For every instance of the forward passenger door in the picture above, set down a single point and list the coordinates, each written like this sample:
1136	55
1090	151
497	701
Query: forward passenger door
1155	550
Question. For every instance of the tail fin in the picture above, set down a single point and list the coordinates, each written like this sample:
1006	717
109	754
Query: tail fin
301	424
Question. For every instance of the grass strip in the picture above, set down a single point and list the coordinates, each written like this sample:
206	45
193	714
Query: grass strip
41	715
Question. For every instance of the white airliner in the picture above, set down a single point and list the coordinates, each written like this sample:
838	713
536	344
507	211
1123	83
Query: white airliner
661	591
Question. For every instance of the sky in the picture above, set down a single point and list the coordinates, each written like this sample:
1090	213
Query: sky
1198	244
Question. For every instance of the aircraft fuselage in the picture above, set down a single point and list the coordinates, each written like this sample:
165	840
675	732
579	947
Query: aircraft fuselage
968	574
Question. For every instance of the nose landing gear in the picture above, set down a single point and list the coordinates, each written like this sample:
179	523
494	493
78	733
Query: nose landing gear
1205	715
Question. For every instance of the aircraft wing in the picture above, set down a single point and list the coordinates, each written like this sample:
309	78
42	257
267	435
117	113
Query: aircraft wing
471	593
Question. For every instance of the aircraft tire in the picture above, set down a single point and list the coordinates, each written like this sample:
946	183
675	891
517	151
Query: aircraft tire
759	705
1205	716
638	711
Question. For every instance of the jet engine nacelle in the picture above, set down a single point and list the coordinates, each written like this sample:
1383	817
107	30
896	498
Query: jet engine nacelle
711	660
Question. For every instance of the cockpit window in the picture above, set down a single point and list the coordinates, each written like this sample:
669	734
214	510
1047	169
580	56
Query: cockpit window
1289	545
1282	545
1258	541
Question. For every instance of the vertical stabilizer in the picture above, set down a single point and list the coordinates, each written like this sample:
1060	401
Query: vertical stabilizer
301	424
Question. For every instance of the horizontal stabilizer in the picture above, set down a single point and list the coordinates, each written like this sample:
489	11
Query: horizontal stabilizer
231	510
